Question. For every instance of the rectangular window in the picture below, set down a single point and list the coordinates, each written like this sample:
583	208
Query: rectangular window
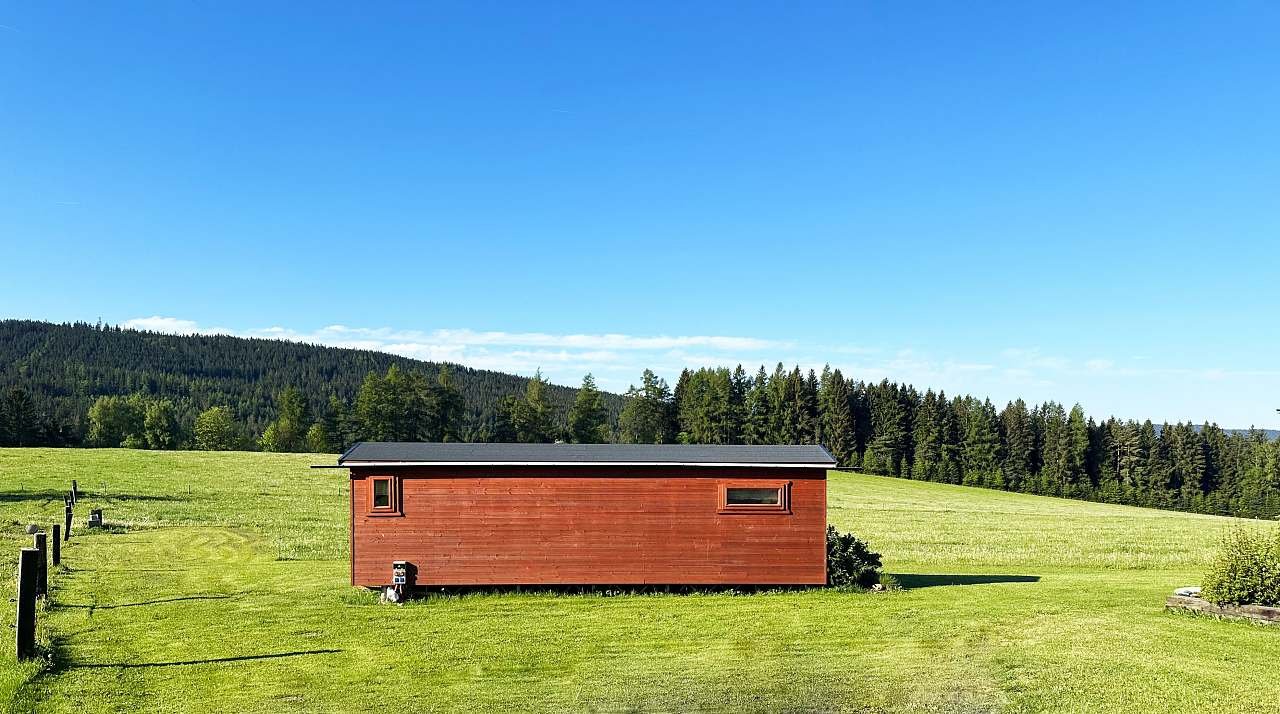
384	498
755	497
752	496
382	493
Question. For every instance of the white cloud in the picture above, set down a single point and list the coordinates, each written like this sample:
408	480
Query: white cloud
157	323
1128	387
615	358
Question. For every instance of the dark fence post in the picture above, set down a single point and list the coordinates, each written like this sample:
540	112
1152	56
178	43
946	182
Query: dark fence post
66	526
27	602
57	544
42	567
75	492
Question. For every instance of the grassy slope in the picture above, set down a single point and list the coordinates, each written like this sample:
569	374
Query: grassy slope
239	602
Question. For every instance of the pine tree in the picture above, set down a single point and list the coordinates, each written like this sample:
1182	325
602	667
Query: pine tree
981	445
1156	490
21	423
949	440
886	451
756	427
1075	455
739	386
1015	426
587	418
781	403
808	408
532	417
1053	469
836	424
648	414
447	408
927	441
289	430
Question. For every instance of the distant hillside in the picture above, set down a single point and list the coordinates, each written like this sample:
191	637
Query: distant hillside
1270	434
64	367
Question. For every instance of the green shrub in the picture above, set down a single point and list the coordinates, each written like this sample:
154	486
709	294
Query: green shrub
1246	570
850	561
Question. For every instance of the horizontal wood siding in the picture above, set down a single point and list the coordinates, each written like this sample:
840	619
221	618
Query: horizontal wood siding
588	526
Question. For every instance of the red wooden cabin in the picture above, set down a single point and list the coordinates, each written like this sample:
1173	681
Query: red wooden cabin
591	514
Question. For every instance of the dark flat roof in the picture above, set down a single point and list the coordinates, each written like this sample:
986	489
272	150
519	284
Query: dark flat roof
406	453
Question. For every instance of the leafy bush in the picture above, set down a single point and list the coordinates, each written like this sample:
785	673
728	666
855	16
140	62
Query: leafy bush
1246	570
850	561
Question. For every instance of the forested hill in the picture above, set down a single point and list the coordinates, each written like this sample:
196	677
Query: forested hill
65	367
83	384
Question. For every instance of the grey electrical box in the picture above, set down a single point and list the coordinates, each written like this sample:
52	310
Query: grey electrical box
402	573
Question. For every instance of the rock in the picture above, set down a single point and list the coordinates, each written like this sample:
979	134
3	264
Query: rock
1187	592
33	529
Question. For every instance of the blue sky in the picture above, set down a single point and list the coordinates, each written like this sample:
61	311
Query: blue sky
1075	203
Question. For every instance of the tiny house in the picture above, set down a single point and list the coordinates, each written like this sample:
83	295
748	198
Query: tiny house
587	514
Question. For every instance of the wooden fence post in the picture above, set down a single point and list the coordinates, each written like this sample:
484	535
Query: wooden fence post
66	526
27	602
57	544
75	492
42	567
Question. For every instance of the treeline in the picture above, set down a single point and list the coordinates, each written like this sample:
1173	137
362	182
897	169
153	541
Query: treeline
397	405
51	374
884	428
893	429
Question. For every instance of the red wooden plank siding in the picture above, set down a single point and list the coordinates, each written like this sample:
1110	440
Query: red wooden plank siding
585	525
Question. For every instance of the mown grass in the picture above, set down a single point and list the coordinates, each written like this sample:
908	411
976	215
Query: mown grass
226	591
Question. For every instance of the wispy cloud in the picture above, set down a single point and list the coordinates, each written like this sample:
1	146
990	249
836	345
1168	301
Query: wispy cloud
1125	386
615	358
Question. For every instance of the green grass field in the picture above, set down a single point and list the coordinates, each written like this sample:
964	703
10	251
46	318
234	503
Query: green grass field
225	590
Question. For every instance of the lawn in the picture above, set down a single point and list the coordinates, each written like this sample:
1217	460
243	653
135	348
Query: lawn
225	590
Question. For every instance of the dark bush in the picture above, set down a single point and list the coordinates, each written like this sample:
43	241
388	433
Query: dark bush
850	561
1246	570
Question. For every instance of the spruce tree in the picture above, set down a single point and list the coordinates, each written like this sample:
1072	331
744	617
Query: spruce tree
739	386
981	445
648	416
587	418
532	416
836	423
757	420
1015	426
927	439
447	407
1075	456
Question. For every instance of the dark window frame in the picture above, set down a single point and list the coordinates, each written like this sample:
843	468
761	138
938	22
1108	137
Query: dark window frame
783	506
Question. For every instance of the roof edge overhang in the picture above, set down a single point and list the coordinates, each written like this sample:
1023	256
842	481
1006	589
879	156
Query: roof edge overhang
588	464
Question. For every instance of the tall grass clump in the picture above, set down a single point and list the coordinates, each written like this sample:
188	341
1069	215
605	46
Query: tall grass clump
1245	571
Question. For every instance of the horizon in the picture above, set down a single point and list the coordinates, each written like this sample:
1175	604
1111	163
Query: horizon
169	327
1054	204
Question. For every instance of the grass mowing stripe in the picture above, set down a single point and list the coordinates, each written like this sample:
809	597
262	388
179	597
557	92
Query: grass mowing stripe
227	590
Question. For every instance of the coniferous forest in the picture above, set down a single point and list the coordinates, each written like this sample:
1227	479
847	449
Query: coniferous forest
93	385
